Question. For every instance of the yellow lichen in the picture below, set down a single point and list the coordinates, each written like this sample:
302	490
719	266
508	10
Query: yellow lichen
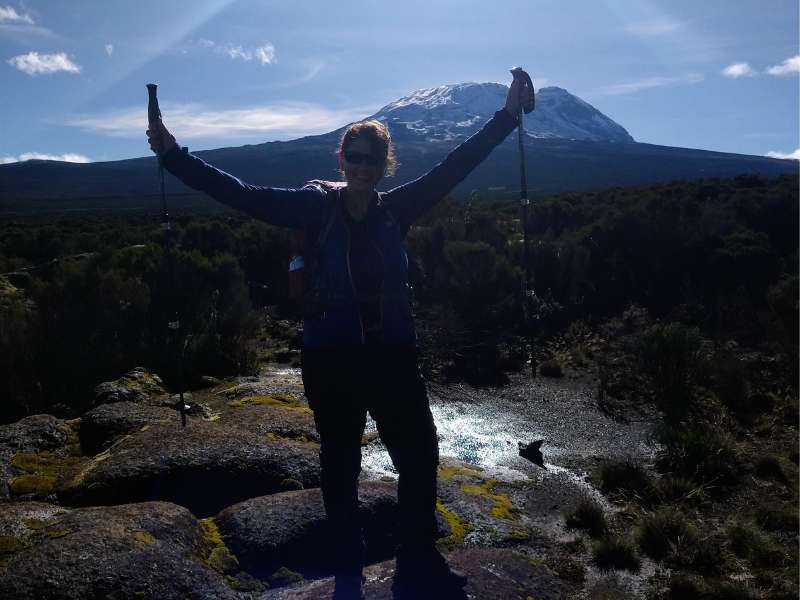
450	471
292	436
42	472
10	543
213	550
519	534
278	400
144	537
502	508
88	467
459	528
41	485
35	523
9	546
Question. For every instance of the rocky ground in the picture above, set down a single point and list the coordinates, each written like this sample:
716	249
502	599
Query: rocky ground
123	502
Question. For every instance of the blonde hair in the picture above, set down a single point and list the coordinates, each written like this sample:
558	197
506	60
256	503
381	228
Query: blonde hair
377	134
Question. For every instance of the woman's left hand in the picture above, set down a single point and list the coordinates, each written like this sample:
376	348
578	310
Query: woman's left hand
518	95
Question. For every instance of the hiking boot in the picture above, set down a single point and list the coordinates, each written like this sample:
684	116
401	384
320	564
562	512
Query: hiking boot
424	571
348	587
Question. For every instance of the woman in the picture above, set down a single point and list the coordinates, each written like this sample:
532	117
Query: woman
359	346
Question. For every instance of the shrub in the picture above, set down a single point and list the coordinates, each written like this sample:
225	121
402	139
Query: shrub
750	543
588	516
666	532
672	488
615	553
670	355
775	517
626	477
550	368
686	588
775	468
700	451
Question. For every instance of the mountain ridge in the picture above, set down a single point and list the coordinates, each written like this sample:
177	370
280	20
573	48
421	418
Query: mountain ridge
569	146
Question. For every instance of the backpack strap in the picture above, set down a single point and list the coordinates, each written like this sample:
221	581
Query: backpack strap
333	198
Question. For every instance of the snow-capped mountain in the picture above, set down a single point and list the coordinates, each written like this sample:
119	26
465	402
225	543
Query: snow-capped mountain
451	112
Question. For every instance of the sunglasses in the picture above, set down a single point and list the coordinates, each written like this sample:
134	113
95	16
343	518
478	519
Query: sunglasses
359	158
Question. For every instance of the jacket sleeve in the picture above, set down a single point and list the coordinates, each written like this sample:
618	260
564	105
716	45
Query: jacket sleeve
295	208
409	201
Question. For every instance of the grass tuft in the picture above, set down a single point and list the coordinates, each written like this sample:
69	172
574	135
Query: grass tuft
615	553
750	543
666	532
587	516
628	478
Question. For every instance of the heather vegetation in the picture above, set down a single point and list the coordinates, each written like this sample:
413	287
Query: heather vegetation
679	300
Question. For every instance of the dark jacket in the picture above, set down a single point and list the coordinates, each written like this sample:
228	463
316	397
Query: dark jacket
335	320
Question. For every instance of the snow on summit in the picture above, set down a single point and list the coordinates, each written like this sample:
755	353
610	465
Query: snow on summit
453	112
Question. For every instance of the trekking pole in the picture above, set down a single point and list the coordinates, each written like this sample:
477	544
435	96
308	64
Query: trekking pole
528	293
154	116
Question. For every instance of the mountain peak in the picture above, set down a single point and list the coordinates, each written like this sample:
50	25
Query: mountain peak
456	111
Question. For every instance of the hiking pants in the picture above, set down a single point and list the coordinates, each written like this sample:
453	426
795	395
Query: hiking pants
342	385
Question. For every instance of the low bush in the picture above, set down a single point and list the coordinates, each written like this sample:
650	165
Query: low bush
628	478
750	543
776	468
666	532
774	516
551	368
615	553
700	451
588	516
670	355
682	587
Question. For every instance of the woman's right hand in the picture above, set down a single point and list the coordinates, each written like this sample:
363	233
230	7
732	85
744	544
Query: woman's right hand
161	141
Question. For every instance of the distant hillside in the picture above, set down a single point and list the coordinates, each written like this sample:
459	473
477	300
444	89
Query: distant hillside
570	146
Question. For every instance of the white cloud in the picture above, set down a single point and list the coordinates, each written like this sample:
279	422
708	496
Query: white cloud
794	155
277	121
66	157
34	63
109	49
655	27
264	54
787	67
648	83
738	70
9	15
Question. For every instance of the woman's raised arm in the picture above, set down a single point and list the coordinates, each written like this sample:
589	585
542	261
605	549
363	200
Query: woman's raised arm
409	201
295	208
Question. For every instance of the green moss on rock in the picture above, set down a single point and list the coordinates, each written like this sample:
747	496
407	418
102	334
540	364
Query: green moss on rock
43	470
144	537
213	550
459	528
502	508
41	485
278	400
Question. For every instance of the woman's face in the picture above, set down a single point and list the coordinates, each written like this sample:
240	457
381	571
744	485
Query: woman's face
362	168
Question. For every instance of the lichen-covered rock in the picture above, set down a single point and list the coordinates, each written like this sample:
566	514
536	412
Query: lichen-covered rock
105	423
21	441
137	385
148	550
289	529
205	467
492	574
278	416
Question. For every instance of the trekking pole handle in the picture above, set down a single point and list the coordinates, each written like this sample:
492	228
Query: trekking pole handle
153	111
526	82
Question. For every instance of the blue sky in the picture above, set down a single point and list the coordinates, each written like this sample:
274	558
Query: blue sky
718	74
